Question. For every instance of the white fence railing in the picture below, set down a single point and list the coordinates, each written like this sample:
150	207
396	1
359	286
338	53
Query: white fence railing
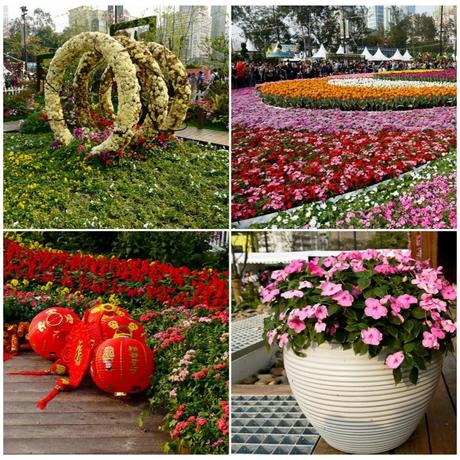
13	91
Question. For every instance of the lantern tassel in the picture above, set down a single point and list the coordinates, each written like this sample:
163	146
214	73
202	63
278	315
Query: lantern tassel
51	395
46	372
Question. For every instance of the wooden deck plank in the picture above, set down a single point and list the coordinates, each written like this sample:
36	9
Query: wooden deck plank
449	372
418	443
441	422
74	420
323	448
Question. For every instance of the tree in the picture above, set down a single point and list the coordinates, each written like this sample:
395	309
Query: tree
263	25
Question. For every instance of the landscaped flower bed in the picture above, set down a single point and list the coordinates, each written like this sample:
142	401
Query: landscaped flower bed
279	169
184	312
424	75
358	94
172	184
289	157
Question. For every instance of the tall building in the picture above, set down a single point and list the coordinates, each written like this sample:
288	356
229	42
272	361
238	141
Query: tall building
197	22
219	20
86	18
384	16
375	17
449	13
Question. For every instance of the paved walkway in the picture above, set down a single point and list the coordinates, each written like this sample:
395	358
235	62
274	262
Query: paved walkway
204	135
11	126
190	132
84	421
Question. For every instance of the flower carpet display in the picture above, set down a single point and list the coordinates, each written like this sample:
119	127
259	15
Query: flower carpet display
111	160
363	335
296	157
183	312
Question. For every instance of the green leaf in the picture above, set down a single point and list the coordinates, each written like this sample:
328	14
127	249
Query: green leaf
418	313
364	282
413	375
397	375
334	308
408	347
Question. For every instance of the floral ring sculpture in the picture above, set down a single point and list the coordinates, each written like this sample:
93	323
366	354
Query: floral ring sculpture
363	336
141	84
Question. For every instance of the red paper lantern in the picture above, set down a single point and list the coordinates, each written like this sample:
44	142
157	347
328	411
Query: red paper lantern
122	365
103	311
110	326
49	329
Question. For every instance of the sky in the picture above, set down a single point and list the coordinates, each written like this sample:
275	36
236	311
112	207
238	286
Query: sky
138	9
59	13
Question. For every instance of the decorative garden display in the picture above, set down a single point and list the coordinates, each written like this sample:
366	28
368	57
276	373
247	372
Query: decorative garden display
363	336
152	84
122	365
107	339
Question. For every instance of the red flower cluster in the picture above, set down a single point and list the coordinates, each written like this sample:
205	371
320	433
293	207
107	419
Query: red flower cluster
131	278
274	170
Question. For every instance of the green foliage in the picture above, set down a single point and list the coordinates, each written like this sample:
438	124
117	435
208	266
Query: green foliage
35	124
182	187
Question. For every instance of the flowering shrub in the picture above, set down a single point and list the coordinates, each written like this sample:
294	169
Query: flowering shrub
185	315
278	169
357	94
372	301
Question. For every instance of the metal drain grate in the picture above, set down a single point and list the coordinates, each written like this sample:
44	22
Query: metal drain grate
247	332
270	425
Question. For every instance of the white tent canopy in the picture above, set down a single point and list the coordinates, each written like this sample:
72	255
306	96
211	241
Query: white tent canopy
378	56
340	50
397	56
366	53
321	53
407	56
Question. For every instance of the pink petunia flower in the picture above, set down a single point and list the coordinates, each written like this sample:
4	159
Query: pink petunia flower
448	326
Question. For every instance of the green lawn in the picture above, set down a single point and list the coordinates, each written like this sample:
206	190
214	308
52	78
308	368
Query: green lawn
185	186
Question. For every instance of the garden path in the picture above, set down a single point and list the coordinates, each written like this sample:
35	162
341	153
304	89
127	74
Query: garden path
220	138
436	433
204	135
11	126
84	421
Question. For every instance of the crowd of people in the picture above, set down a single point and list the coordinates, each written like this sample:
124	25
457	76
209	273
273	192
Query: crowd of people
250	73
200	86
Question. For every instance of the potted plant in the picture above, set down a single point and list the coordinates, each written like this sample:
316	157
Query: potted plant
363	336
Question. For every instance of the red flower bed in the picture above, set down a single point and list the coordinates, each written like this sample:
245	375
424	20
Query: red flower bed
132	278
274	170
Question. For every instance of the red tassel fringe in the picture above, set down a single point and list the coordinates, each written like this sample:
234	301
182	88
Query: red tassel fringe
51	395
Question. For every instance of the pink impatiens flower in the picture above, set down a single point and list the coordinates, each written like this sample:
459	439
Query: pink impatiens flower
271	336
429	341
405	301
374	308
371	336
291	294
394	360
296	320
269	295
343	298
320	326
305	284
329	289
448	326
294	267
448	292
283	340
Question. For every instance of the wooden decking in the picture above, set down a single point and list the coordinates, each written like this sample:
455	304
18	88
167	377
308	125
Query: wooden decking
85	421
436	434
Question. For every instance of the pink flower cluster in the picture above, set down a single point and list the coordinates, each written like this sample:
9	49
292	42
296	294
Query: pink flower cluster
362	282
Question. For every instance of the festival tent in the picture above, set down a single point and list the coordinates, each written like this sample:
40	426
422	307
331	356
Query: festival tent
340	50
321	53
407	56
378	56
397	56
366	53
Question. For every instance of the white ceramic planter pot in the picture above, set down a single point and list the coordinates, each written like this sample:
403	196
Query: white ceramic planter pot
353	401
